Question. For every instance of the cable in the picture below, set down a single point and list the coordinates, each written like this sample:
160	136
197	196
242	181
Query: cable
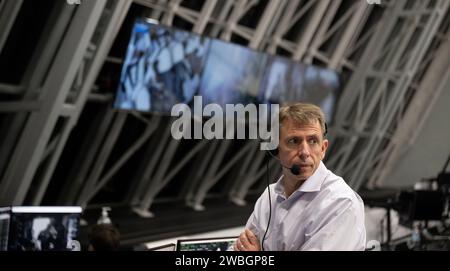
270	205
295	170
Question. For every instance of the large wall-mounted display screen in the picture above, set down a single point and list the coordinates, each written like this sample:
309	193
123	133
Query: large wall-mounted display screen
164	66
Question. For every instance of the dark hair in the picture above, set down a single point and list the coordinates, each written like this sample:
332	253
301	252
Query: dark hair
104	237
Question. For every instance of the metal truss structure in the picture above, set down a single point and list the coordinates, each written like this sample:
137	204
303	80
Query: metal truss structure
389	55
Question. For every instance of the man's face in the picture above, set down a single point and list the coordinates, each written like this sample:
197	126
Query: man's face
302	145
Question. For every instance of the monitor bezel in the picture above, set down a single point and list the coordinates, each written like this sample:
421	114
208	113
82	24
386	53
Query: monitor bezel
211	239
46	210
159	248
37	211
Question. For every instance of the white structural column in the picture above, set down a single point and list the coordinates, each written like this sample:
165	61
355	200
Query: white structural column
350	33
264	22
382	99
30	85
429	29
321	18
283	25
8	13
204	16
418	111
238	10
355	88
40	124
173	6
105	37
224	8
86	157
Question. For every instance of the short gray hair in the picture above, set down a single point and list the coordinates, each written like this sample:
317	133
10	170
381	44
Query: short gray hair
303	113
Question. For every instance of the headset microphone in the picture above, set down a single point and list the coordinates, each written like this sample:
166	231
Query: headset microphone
295	169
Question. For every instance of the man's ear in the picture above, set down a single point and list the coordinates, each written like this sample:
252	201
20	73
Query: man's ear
324	147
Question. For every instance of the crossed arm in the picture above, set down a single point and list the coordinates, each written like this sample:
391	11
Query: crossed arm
247	241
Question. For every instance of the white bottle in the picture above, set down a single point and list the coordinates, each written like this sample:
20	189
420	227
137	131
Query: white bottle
104	218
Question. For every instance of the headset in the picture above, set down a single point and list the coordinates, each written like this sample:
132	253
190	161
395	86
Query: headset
295	170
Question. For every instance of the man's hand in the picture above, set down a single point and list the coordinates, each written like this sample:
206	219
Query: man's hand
247	241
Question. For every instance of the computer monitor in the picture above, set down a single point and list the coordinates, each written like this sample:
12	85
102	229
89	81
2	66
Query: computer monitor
207	244
44	228
5	215
167	247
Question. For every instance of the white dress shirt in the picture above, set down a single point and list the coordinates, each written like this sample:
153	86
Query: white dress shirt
324	213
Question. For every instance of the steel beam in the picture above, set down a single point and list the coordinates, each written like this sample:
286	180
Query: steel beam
36	133
8	14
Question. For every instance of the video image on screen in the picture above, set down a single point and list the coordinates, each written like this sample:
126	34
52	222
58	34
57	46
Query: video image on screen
232	74
165	66
321	87
42	231
162	67
282	81
4	227
215	244
286	81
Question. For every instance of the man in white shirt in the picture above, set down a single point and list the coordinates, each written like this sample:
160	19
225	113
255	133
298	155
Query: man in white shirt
311	209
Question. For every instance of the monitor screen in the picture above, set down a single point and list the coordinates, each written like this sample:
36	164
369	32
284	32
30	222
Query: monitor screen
43	228
286	81
321	87
4	227
207	244
165	66
232	74
282	81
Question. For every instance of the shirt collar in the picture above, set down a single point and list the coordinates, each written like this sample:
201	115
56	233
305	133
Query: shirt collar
312	184
279	189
